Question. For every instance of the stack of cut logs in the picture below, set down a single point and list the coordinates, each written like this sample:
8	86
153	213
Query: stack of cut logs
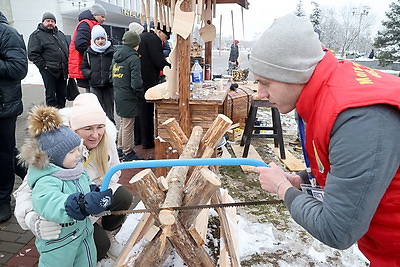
183	231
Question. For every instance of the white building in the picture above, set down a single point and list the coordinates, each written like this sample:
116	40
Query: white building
25	15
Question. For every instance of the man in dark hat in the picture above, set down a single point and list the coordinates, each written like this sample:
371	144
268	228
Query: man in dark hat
152	61
48	50
13	68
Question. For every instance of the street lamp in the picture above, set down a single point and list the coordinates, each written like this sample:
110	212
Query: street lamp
79	4
363	11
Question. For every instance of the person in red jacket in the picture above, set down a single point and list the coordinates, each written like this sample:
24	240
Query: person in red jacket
351	190
81	41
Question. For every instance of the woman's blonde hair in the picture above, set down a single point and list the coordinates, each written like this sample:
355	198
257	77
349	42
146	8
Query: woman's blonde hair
100	154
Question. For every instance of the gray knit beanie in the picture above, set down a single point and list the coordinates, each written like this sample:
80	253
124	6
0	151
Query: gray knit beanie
98	9
131	38
57	143
48	15
288	51
56	140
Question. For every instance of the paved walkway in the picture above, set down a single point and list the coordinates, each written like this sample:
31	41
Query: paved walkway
17	247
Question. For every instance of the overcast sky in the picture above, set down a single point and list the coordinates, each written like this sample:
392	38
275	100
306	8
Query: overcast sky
261	13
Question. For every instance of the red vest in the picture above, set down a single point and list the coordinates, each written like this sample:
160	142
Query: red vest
75	58
334	87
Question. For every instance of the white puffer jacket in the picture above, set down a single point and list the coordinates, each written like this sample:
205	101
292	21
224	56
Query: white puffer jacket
22	195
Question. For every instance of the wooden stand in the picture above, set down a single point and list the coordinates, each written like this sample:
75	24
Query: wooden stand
176	230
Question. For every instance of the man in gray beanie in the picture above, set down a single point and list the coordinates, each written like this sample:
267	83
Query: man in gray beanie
98	9
49	15
351	183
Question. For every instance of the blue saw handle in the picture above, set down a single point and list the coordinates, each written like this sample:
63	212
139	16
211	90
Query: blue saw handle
178	162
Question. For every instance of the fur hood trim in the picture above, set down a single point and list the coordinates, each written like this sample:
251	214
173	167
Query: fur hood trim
32	155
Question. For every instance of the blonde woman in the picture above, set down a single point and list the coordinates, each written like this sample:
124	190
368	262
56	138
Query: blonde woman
98	148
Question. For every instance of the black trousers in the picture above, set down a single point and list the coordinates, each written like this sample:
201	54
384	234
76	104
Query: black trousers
144	126
56	89
122	200
105	94
7	158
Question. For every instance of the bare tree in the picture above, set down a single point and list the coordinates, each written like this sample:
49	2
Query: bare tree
347	29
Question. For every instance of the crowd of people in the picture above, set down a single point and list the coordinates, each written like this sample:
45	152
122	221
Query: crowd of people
111	75
349	192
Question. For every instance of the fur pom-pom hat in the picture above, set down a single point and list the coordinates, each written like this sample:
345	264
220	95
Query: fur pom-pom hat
53	138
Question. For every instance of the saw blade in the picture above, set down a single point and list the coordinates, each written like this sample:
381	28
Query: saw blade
183	208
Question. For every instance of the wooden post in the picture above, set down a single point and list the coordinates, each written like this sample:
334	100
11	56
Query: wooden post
183	47
208	55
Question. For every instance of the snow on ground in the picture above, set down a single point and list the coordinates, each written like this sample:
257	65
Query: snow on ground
255	237
33	76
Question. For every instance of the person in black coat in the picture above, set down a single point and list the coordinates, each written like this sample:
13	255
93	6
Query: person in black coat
152	62
48	50
95	67
13	68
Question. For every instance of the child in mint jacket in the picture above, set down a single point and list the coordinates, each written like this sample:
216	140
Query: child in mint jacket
61	189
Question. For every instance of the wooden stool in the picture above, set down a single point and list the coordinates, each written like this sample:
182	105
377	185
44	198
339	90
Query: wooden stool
276	128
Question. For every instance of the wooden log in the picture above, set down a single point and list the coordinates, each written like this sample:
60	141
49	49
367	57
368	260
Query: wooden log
162	183
177	177
206	182
226	230
198	230
145	184
209	183
151	233
160	153
145	223
211	139
186	247
178	137
214	134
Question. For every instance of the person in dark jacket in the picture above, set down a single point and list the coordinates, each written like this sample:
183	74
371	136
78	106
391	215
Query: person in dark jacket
96	69
81	41
128	91
48	50
13	68
152	61
234	53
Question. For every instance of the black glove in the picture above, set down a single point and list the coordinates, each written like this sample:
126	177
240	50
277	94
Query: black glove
78	206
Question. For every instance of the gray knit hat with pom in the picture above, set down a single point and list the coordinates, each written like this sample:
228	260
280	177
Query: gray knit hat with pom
288	51
55	139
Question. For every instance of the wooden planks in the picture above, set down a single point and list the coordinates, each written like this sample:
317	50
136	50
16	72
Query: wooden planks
291	162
